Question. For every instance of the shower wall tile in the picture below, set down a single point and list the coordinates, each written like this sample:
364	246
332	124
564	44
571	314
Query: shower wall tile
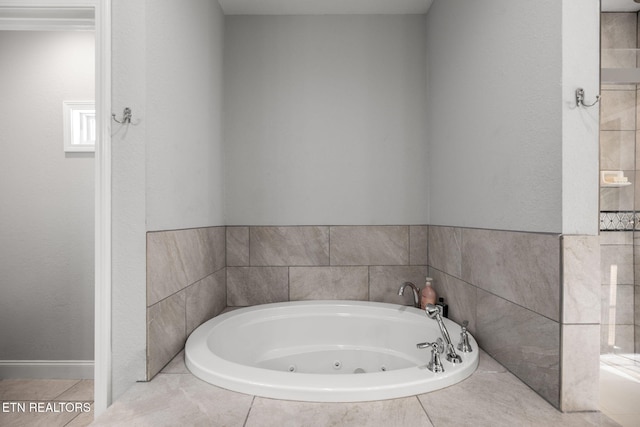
616	238
634	177
618	31
526	343
617	150
637	138
206	299
445	249
418	244
520	267
636	256
330	283
166	332
638	104
617	86
617	198
616	263
281	246
617	304
617	339
580	368
165	270
384	282
580	275
618	110
257	285
637	305
237	246
460	296
369	245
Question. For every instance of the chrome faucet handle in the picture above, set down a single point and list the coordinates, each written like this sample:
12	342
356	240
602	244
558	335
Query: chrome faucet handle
437	348
464	345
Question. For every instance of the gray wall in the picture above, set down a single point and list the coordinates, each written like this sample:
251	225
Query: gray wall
47	213
495	116
167	165
184	110
324	120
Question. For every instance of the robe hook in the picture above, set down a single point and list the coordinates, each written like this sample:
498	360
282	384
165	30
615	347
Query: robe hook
126	116
580	99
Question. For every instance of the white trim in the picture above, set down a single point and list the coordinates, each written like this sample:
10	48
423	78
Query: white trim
35	18
49	369
78	126
102	15
102	388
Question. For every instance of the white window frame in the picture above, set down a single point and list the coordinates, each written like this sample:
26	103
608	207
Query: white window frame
79	126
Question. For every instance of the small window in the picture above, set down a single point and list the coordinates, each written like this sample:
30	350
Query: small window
79	126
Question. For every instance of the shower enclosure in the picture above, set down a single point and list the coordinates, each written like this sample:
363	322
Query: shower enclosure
619	183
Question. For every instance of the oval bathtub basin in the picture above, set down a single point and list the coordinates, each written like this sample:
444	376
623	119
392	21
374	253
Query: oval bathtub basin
324	351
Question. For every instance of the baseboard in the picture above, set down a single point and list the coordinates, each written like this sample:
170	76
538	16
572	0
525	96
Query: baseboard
46	369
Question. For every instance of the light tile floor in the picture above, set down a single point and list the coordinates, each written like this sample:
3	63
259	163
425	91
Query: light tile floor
490	397
47	403
620	388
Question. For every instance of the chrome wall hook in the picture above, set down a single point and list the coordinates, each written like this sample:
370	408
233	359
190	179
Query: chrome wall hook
580	99
126	116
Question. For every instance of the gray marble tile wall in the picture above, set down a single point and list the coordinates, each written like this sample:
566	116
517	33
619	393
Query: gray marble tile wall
581	316
186	286
617	292
272	264
509	286
619	112
636	287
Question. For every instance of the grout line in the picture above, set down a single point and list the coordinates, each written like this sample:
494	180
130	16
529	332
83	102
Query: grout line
424	410
66	390
248	412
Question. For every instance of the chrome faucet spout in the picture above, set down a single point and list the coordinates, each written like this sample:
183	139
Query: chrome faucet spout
434	312
416	293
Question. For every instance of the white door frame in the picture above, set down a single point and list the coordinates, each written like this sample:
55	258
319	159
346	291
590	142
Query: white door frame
102	356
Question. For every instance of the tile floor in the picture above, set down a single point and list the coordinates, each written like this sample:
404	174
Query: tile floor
47	403
620	388
175	397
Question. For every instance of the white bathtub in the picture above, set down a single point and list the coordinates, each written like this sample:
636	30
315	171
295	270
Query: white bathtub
324	351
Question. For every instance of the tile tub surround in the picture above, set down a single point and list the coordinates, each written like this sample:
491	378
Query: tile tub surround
186	286
509	286
293	263
491	396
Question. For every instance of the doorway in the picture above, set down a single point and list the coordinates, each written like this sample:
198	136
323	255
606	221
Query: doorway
21	13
